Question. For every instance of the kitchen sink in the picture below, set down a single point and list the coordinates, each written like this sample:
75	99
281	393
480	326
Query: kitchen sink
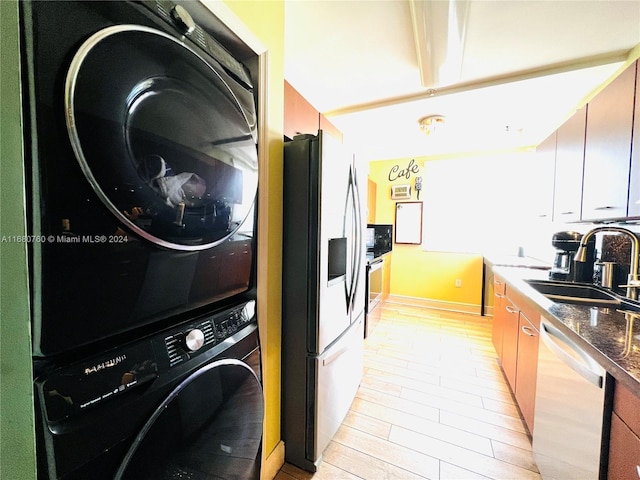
582	293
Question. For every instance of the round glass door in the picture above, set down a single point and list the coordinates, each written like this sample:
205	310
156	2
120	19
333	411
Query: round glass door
166	139
209	427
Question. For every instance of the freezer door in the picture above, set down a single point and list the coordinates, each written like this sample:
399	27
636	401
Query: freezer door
338	372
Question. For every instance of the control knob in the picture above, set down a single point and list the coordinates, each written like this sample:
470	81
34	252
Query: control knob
194	340
182	19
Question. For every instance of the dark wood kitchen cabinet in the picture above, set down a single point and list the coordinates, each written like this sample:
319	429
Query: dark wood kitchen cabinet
624	441
607	153
497	328
634	178
543	178
510	341
515	336
527	369
302	117
569	166
299	115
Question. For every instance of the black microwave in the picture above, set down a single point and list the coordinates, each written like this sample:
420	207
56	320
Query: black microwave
379	237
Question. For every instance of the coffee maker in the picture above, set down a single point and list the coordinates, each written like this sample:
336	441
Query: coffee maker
564	267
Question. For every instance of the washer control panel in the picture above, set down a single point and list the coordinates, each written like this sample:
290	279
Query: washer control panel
75	388
197	337
178	17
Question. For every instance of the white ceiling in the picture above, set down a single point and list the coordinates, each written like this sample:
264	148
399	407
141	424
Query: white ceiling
521	67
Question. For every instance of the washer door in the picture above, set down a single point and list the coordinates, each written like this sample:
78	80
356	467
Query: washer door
209	427
164	136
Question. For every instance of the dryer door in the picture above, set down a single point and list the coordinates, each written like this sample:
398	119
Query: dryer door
165	137
209	427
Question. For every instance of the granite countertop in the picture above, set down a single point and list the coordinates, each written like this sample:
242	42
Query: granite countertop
608	335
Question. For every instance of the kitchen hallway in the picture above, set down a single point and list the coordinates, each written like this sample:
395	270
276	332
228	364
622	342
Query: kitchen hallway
433	403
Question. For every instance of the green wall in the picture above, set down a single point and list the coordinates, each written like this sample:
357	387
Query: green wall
17	445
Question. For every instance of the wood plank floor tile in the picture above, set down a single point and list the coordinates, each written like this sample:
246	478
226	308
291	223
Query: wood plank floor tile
433	404
484	464
363	465
503	433
373	419
397	403
453	472
395	454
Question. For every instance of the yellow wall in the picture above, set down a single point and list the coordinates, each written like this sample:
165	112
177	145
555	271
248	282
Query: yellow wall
415	272
266	21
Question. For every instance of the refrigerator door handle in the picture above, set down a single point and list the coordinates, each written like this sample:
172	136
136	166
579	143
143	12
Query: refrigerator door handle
352	212
359	233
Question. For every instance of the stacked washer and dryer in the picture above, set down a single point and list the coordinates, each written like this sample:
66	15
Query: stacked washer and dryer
141	147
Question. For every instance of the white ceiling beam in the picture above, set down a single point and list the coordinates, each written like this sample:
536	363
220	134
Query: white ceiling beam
598	60
439	29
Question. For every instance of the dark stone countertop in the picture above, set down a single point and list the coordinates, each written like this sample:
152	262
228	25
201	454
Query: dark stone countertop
606	334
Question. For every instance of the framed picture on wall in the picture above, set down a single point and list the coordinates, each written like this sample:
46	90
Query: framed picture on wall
408	222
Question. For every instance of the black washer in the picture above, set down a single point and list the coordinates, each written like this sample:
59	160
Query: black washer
156	408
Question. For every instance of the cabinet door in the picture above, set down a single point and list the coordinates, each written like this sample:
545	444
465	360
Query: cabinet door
608	150
372	189
499	317
386	275
634	187
624	451
528	338
299	115
542	178
569	168
510	342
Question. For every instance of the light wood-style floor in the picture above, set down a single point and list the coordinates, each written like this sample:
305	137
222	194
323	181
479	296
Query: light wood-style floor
433	403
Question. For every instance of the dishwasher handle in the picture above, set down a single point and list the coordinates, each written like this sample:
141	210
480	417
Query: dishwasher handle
550	335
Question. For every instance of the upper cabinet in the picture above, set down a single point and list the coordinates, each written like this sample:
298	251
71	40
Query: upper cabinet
299	115
302	117
634	184
372	189
607	152
542	178
568	169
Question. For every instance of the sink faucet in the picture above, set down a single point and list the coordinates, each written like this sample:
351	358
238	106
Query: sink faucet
633	283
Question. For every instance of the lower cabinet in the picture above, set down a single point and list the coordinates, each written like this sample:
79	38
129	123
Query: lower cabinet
515	337
510	343
527	369
497	331
386	275
499	314
624	441
624	451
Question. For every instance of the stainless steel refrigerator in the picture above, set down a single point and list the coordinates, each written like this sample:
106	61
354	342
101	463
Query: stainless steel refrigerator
323	293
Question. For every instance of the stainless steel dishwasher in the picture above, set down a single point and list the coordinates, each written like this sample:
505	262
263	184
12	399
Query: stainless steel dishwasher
569	411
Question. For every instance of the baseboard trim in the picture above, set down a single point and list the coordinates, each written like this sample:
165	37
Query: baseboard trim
435	304
273	462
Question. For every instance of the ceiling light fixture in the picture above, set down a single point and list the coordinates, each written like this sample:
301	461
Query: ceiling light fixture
431	123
